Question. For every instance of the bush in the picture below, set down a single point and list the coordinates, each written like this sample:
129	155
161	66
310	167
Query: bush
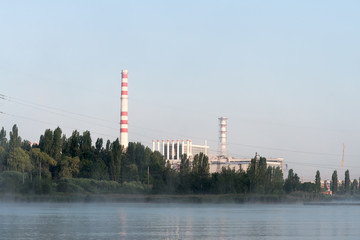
11	182
83	185
132	187
67	186
43	186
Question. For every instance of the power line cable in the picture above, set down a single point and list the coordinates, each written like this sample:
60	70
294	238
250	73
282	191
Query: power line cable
62	126
50	108
312	165
61	114
46	108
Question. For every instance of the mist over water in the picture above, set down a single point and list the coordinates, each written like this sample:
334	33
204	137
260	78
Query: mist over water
176	221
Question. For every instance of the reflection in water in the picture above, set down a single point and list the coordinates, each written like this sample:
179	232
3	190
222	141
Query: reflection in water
176	221
123	222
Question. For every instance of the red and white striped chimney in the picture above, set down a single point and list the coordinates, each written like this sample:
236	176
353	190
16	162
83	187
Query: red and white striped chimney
124	138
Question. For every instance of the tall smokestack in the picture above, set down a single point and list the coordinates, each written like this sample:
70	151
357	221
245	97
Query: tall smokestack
223	135
124	138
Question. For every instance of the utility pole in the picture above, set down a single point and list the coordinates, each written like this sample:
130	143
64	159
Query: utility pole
256	158
148	175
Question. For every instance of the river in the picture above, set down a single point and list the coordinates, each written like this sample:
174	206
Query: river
177	221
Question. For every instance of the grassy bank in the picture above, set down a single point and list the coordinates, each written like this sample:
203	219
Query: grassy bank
89	190
154	198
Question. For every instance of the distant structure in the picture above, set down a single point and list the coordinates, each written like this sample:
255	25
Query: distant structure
224	160
172	150
223	136
218	162
124	138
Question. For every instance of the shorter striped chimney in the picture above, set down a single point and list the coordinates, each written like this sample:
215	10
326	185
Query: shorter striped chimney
223	135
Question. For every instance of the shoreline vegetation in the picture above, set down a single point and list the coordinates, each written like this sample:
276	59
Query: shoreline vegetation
297	198
71	169
156	198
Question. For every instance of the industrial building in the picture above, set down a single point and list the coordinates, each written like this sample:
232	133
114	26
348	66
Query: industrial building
224	160
218	162
173	150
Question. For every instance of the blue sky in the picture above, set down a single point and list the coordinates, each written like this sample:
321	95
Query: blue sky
285	73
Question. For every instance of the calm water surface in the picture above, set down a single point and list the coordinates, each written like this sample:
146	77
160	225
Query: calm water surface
176	221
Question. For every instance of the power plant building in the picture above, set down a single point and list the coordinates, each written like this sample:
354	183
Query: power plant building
218	162
173	150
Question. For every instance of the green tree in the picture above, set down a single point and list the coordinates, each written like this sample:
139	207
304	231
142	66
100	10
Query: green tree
184	175
292	182
201	165
19	160
46	141
15	140
3	147
26	145
317	182
268	180
137	154
185	165
347	182
261	175
308	187
100	170
87	160
242	183
57	144
251	171
42	160
228	177
200	172
2	157
85	144
354	186
334	182
73	144
257	171
3	140
278	181
132	173
115	160
171	179
65	145
99	145
69	167
157	169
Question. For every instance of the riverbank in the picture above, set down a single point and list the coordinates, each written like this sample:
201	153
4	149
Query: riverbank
160	198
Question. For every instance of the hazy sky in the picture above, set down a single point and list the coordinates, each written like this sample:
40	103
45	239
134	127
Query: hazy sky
285	73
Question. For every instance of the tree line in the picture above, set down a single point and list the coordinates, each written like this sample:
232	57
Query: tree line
60	163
